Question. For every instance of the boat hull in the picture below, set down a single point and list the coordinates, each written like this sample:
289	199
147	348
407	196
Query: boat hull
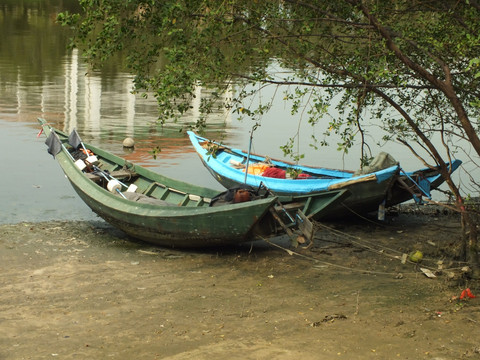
406	183
363	196
389	186
190	225
188	229
366	191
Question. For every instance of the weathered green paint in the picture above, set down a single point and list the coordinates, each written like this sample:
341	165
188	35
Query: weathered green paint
179	226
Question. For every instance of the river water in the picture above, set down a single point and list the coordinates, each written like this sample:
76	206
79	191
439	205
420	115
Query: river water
39	77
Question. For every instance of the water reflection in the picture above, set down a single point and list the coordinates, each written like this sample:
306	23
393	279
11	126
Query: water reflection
59	87
102	109
40	78
105	111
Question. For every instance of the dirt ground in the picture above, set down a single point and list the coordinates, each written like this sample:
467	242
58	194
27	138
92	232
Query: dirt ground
83	290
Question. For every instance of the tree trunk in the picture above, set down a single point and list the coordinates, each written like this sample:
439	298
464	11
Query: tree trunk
470	238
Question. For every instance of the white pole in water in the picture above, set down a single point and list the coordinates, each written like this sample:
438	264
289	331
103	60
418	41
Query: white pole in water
254	127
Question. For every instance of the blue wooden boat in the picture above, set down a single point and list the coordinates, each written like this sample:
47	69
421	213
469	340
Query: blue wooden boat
386	186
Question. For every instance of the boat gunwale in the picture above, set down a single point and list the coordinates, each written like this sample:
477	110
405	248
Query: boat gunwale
335	183
117	203
297	186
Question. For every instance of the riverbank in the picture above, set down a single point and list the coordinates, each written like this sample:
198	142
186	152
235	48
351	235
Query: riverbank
83	290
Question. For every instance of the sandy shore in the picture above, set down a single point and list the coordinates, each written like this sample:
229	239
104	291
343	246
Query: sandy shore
83	290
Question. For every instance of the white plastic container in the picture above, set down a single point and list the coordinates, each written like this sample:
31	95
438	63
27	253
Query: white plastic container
114	186
80	164
92	159
132	188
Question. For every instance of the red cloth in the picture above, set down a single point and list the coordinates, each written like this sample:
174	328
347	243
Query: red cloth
303	176
274	172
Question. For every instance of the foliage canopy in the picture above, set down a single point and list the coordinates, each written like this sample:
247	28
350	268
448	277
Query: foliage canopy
415	64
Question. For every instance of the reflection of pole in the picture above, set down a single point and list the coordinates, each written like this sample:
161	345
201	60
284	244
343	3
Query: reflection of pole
196	101
43	95
17	93
130	105
93	102
254	127
66	87
71	89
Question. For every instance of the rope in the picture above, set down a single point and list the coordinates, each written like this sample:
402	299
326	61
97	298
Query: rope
355	240
290	252
382	251
361	216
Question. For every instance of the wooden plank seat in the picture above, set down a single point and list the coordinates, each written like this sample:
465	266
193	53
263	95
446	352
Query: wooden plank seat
290	206
165	191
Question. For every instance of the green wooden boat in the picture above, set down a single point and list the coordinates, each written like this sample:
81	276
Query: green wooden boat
169	212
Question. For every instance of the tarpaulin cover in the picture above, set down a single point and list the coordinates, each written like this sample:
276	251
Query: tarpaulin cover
74	139
54	144
380	162
274	173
